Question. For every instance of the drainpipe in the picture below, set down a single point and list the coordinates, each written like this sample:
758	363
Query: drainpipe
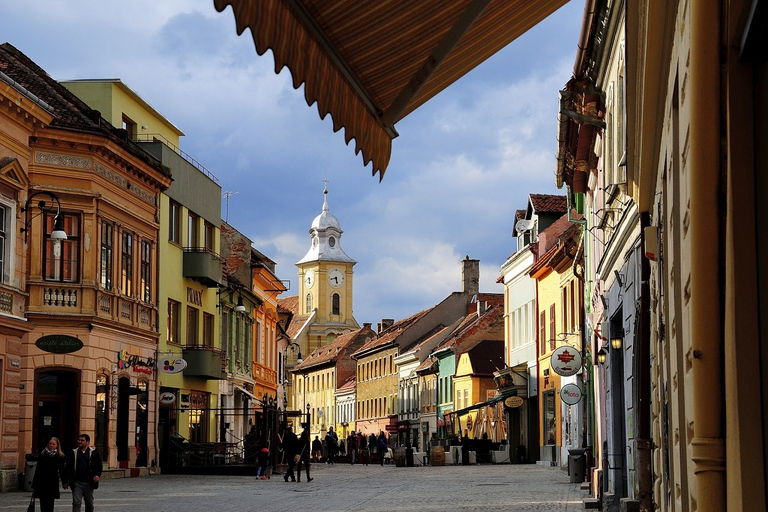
704	359
643	354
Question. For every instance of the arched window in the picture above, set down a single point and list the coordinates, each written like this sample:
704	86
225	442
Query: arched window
309	303
335	300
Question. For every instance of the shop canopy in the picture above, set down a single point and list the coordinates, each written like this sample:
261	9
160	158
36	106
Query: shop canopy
369	63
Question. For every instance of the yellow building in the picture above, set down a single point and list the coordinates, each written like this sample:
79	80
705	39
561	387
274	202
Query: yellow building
558	293
189	226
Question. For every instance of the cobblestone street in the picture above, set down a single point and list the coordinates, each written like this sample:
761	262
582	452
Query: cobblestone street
340	488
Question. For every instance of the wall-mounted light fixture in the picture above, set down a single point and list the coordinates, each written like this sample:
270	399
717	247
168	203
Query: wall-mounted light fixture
58	234
240	308
619	278
602	355
616	343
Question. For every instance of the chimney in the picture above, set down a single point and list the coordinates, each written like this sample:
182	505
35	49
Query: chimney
470	274
482	307
367	325
386	323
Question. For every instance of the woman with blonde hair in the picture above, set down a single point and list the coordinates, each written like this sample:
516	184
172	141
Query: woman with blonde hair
49	471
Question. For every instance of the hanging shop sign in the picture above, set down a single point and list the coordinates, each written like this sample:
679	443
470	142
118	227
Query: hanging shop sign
513	402
139	365
167	398
59	344
172	364
570	394
565	361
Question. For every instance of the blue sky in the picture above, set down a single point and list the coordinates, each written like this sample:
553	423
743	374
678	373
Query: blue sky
463	163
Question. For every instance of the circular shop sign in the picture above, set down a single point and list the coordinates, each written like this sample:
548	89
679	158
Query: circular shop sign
565	361
59	344
513	402
172	364
167	397
570	394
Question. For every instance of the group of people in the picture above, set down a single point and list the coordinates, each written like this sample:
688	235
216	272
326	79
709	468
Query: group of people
360	445
79	470
297	451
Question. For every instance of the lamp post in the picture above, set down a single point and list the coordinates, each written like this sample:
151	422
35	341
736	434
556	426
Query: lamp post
58	234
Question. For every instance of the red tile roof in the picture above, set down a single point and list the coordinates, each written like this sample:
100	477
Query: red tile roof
548	203
339	347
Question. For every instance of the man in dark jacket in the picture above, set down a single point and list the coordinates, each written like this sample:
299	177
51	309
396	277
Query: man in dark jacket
84	468
290	445
352	447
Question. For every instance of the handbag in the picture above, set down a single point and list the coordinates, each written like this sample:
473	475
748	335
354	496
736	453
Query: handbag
31	507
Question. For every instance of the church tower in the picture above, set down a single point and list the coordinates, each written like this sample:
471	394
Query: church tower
325	282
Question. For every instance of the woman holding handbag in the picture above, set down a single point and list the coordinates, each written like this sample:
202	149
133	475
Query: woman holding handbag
49	471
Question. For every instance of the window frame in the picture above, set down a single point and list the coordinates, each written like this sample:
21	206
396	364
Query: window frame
174	325
193	322
107	253
72	228
126	263
145	279
174	222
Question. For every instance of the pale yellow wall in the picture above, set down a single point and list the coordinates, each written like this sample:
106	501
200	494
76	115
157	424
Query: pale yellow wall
112	99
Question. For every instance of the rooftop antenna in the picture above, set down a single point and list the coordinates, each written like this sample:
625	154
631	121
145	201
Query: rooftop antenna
228	195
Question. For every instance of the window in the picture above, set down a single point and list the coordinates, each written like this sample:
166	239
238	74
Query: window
309	303
146	271
174	310
335	300
192	322
552	327
550	418
207	329
4	267
543	331
192	235
174	223
62	257
129	126
126	265
107	234
210	237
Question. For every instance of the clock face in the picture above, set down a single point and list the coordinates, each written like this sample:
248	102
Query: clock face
309	278
335	277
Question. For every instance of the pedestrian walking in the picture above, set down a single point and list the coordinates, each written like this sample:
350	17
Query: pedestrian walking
317	449
84	469
262	472
304	448
364	450
352	447
49	471
381	445
290	446
332	445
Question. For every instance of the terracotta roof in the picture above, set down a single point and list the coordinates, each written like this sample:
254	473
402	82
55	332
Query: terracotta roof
566	246
461	339
520	214
370	63
69	111
339	347
547	203
290	305
390	334
350	383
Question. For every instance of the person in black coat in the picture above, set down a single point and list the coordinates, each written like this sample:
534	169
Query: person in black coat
49	471
303	450
84	469
290	445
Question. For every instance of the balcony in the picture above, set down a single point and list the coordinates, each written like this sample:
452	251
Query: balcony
204	361
203	266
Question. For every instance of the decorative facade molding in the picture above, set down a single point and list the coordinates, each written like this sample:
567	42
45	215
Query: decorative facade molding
78	162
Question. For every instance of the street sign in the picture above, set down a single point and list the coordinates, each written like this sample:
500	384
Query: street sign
570	394
565	361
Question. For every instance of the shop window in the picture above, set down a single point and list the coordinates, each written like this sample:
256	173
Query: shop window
198	417
103	397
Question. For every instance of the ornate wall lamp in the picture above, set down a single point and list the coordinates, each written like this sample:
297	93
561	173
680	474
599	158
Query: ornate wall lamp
616	343
58	234
602	355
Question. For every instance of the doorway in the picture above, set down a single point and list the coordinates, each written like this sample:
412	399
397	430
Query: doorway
57	408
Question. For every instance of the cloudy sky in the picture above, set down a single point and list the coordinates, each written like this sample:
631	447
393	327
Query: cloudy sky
463	163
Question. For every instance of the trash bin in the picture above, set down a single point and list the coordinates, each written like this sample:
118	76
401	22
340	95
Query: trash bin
577	465
29	470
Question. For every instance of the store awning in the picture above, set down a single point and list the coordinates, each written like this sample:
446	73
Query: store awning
369	63
248	394
492	401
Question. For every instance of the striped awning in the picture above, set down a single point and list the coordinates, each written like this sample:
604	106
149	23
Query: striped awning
369	63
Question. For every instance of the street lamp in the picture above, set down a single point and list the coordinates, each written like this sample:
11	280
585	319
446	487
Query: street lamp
602	355
616	343
58	234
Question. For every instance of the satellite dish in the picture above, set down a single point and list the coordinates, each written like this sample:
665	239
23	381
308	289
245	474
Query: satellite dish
524	225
